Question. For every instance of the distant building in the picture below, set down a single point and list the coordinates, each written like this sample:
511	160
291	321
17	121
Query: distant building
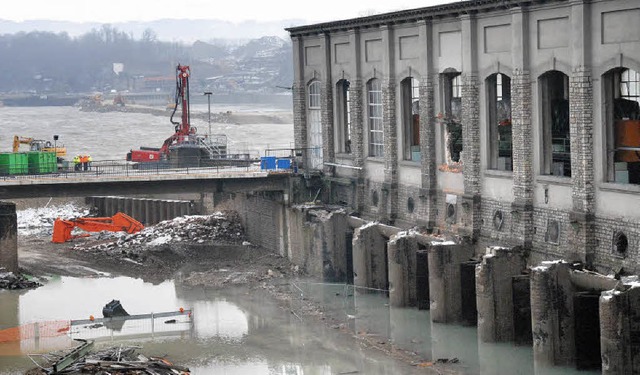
506	123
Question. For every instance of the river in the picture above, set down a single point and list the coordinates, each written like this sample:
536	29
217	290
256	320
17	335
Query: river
109	136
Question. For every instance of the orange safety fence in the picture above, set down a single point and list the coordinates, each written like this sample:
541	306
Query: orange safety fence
52	328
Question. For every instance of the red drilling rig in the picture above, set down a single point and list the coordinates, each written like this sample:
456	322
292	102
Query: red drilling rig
185	147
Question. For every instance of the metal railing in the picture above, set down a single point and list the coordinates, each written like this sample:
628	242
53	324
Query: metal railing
103	168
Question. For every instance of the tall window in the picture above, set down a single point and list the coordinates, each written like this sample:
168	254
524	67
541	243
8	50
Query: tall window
315	126
343	111
376	133
622	118
411	118
499	111
452	90
554	96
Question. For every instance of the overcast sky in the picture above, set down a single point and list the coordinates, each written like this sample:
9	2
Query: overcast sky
112	11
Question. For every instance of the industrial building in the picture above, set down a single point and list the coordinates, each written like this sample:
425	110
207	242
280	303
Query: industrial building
511	126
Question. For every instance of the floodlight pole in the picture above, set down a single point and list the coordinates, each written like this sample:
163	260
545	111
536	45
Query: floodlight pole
208	94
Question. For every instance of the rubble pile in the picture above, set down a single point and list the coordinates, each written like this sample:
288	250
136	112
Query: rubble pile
116	360
9	280
220	227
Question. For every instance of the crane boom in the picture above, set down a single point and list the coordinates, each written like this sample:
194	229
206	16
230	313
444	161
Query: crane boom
117	223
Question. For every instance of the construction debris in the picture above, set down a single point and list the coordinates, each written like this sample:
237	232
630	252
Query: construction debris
115	360
9	280
220	227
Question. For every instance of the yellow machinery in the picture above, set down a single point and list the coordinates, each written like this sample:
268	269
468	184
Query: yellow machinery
38	145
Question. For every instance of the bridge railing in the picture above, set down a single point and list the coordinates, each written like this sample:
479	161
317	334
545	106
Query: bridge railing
182	165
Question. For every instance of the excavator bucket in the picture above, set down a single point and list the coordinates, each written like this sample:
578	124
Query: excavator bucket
117	223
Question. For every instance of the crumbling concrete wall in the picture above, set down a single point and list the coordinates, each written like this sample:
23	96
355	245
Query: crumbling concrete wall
552	314
494	293
8	236
619	331
370	258
402	258
444	280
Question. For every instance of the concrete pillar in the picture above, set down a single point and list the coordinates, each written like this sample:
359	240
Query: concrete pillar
552	315
619	314
8	236
402	259
444	280
369	258
494	293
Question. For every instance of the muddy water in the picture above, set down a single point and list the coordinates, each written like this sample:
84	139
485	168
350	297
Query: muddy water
109	136
230	332
369	314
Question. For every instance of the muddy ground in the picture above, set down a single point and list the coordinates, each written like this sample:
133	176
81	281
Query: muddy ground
214	264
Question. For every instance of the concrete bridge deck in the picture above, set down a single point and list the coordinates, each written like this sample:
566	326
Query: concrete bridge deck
130	181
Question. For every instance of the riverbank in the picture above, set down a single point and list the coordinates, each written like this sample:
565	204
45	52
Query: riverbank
223	262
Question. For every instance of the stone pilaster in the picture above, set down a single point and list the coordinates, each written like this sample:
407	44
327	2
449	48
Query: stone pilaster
522	133
390	126
327	118
428	191
471	153
357	140
582	233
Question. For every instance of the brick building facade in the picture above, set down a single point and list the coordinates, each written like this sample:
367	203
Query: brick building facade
539	92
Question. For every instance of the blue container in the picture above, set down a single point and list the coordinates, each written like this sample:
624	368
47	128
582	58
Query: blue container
283	163
268	162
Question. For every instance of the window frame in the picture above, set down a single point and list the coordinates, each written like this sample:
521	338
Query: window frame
375	118
498	89
548	93
343	117
410	99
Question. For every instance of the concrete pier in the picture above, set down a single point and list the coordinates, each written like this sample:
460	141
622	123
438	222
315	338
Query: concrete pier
402	270
552	315
370	258
494	293
8	236
444	280
619	330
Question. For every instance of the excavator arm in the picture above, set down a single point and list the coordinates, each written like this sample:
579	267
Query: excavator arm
117	223
17	141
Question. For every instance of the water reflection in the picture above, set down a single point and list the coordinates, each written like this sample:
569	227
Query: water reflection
233	331
411	329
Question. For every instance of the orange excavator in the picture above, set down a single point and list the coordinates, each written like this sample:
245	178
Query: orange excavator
117	223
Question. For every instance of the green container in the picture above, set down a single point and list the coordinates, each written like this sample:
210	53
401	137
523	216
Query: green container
41	162
13	163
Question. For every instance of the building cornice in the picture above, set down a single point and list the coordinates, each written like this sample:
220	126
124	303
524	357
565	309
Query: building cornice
454	9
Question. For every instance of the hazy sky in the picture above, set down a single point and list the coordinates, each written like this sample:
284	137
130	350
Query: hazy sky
111	11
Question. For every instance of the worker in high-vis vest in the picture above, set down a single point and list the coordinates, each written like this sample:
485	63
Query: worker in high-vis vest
76	163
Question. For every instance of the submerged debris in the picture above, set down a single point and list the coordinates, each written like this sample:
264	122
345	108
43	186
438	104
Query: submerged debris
198	229
115	360
9	280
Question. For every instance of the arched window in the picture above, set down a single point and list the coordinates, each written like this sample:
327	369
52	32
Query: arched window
621	96
451	115
556	140
411	118
499	129
343	113
314	122
376	131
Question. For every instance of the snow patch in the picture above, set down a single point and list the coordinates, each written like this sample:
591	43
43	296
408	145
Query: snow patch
35	221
